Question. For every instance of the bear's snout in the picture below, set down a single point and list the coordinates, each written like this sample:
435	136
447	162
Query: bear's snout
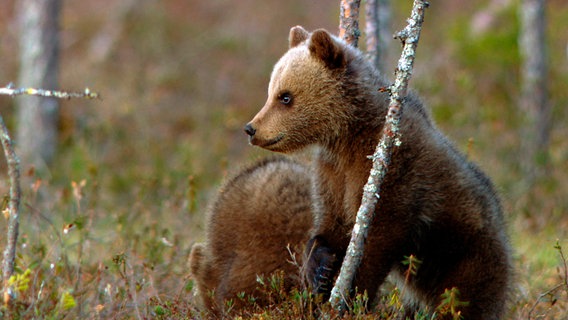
250	130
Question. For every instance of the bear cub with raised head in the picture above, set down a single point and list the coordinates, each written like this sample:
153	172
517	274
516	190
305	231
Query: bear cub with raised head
256	216
434	204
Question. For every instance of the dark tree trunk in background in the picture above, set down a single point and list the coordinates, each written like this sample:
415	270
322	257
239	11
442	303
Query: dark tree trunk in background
534	99
377	28
39	60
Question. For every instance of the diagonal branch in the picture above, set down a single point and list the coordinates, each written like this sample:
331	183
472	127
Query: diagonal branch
382	156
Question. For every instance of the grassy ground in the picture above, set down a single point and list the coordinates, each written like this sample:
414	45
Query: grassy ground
106	229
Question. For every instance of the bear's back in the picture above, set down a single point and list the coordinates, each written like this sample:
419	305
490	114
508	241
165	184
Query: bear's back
257	214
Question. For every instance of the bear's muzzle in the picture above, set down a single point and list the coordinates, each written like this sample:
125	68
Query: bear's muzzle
250	130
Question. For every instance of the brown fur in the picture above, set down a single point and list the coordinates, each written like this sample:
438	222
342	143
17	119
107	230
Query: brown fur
434	204
257	214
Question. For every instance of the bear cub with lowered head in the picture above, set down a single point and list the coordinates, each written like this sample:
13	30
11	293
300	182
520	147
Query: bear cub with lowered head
260	217
434	204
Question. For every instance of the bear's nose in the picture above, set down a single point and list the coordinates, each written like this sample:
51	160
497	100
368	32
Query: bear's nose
250	130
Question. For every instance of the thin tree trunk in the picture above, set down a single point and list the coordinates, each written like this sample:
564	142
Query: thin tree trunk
534	99
13	208
349	21
39	54
381	158
378	36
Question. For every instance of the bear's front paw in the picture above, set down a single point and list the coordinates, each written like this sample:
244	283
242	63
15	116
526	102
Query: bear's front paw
321	266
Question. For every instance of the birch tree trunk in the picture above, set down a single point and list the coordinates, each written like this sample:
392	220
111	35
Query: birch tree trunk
39	59
534	98
409	36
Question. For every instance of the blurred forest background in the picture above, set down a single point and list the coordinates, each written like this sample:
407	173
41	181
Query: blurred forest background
106	227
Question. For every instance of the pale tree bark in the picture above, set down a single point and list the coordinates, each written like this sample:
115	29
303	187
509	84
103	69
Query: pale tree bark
381	158
534	98
349	21
13	210
377	30
39	59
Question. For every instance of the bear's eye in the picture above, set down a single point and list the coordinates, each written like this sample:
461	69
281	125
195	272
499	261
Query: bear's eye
285	98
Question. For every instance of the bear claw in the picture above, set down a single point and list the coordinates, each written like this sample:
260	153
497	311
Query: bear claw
321	267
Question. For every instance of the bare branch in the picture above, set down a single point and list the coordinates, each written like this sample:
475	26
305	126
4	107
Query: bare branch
381	158
14	174
9	90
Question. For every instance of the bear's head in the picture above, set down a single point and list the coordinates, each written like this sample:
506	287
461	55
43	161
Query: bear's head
306	97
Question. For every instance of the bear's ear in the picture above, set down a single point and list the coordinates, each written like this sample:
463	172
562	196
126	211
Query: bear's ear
297	36
323	47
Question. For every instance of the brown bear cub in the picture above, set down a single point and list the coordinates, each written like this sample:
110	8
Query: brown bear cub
434	204
257	214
